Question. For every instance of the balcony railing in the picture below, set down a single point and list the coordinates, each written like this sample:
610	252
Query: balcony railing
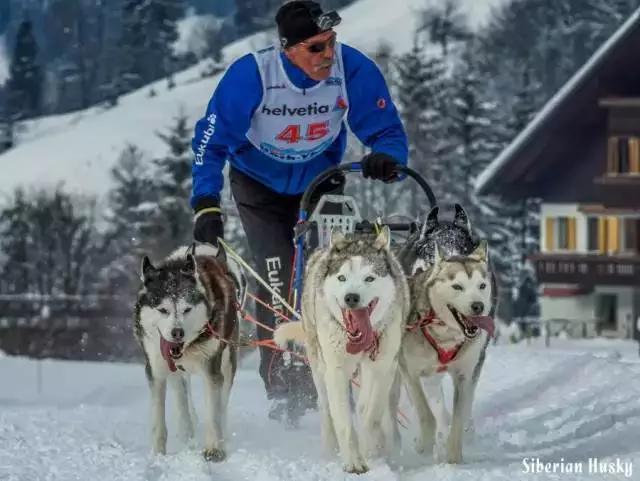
587	270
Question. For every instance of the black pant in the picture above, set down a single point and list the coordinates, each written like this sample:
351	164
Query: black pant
268	219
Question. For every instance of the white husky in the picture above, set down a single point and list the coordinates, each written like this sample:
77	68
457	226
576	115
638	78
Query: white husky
448	331
185	322
354	305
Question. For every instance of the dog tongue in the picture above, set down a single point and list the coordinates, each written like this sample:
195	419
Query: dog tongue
361	336
165	350
484	322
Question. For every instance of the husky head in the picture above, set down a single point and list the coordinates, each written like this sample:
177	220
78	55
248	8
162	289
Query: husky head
459	289
172	303
359	284
454	237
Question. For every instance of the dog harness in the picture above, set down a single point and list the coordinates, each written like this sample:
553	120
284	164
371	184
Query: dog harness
445	356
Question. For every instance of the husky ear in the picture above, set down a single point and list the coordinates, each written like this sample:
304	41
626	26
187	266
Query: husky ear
337	240
482	251
190	266
146	268
461	219
431	222
383	241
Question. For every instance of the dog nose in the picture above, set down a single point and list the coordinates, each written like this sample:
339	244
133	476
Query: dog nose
177	333
352	300
477	307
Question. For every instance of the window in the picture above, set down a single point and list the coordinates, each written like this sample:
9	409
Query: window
563	233
560	233
604	234
631	235
623	156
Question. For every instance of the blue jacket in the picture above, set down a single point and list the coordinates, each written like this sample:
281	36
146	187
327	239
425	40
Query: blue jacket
220	134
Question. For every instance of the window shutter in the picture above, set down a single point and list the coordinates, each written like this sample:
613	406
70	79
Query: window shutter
571	227
602	235
549	234
612	234
634	155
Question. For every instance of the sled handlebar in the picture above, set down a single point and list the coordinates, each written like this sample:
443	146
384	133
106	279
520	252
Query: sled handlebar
357	167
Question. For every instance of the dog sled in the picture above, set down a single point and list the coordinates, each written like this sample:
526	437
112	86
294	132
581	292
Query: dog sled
313	231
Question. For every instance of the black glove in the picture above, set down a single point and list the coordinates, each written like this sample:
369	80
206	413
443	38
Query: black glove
378	165
208	222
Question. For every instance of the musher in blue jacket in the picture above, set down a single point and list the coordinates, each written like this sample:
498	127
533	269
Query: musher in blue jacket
279	116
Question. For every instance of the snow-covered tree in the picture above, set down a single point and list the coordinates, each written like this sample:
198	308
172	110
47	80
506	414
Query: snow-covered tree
132	206
445	24
173	185
49	239
421	89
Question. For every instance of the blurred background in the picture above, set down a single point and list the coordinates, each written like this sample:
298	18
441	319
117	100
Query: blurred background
526	112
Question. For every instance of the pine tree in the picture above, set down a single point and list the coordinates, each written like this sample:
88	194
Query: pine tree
14	235
131	214
253	15
476	139
162	31
445	24
173	186
25	82
149	29
6	125
49	239
421	87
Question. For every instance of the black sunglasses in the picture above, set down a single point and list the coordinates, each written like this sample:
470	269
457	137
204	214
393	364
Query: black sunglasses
319	47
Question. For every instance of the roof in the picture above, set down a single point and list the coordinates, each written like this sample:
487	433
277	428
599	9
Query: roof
486	179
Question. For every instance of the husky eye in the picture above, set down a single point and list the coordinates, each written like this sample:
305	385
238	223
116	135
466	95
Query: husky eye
369	279
342	278
186	310
457	287
162	310
483	286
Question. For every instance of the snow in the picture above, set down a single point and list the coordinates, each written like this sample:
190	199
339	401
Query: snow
4	62
78	149
555	103
190	31
63	420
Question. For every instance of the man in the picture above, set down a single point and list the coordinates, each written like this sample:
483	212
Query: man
278	116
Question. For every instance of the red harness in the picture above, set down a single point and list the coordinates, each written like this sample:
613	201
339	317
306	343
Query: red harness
445	356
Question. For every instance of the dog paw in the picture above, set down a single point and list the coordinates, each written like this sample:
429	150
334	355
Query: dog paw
214	455
358	467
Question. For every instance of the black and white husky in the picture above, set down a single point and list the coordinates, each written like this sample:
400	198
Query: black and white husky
186	322
448	330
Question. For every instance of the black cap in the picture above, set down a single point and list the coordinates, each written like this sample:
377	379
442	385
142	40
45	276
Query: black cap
299	20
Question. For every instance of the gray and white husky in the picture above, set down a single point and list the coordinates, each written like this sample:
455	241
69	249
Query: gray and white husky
448	330
186	322
354	305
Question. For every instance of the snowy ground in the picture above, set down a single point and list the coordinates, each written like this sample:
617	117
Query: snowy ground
85	421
